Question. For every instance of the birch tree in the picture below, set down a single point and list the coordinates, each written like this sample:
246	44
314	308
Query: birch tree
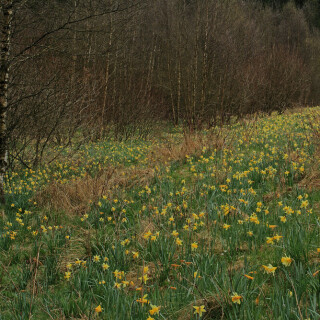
7	14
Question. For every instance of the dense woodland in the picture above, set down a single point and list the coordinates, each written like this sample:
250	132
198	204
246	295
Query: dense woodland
104	67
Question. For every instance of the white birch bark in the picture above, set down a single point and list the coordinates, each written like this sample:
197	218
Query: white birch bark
7	13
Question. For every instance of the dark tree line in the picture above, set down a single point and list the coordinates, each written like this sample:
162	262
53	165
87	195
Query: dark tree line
101	67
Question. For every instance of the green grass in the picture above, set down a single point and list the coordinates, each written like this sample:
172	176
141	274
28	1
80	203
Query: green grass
199	231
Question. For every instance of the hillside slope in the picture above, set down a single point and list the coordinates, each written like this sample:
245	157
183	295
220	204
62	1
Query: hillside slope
222	224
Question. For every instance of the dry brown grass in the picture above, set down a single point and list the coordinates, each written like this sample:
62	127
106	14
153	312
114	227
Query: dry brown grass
294	110
146	225
312	179
76	196
133	275
75	250
214	309
192	144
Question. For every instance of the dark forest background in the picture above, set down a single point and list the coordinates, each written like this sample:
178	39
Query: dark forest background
98	68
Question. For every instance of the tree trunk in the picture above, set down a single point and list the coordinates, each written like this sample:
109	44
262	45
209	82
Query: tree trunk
106	81
7	12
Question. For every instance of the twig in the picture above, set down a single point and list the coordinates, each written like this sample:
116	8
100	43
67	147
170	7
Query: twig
295	294
34	281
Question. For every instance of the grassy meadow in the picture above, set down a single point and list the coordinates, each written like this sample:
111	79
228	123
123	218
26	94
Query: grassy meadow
219	224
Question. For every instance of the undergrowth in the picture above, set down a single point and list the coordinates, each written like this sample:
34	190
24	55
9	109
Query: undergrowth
222	224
